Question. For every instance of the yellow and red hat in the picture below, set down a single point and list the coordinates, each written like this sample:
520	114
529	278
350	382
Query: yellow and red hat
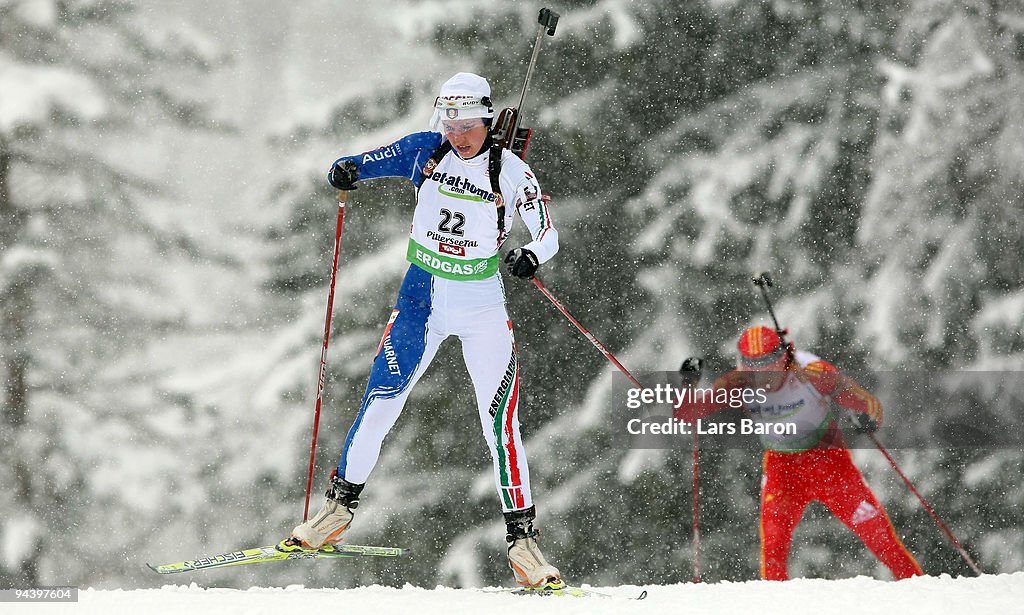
760	347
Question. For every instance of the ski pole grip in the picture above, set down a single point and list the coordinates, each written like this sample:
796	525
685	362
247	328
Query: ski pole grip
342	196
548	19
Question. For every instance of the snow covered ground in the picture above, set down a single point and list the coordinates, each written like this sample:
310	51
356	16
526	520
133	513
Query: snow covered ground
991	594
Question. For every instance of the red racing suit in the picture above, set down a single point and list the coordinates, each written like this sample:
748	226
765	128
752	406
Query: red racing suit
815	464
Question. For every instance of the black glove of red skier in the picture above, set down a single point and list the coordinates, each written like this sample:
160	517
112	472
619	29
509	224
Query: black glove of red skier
522	263
343	175
864	423
690	371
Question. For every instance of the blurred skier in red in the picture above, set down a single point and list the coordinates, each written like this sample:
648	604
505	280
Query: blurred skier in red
812	464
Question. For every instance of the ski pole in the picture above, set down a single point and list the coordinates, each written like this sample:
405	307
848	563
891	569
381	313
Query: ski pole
927	507
587	334
696	511
608	355
690	372
342	195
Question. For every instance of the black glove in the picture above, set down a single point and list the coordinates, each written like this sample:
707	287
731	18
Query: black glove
691	370
864	423
343	175
522	263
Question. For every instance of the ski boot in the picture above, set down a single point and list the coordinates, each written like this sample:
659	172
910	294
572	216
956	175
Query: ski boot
524	557
329	524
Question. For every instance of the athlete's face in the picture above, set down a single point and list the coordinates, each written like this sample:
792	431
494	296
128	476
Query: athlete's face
466	136
770	376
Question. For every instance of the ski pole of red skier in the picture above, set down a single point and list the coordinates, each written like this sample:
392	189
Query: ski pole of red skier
690	372
586	333
342	195
931	511
696	511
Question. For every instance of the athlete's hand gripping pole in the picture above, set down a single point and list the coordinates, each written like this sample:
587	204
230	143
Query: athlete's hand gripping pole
342	196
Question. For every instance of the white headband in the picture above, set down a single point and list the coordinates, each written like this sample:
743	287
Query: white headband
464	96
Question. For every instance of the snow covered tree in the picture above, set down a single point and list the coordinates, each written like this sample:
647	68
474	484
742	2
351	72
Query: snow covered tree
82	235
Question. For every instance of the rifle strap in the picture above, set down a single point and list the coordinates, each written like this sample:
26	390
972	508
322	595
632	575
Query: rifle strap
494	172
435	158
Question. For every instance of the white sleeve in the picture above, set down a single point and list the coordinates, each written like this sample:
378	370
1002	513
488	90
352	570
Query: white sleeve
537	217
